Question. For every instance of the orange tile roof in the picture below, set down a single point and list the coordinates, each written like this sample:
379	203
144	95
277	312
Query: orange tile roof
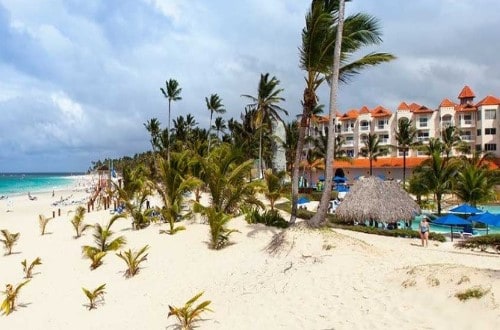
403	106
423	109
414	106
379	163
466	93
351	114
465	108
380	111
447	103
488	100
364	110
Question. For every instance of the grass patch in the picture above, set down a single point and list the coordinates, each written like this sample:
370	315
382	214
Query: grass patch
481	242
475	292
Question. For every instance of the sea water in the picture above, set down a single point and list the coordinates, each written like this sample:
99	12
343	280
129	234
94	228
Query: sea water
22	183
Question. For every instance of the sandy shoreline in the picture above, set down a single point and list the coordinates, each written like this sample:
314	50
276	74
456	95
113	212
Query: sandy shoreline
328	279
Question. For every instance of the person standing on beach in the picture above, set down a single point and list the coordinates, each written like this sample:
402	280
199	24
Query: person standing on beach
424	230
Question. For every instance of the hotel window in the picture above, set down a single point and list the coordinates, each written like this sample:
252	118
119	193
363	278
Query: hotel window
468	119
350	152
422	121
490	114
364	126
349	141
490	131
478	147
381	123
478	115
423	136
478	132
490	147
383	138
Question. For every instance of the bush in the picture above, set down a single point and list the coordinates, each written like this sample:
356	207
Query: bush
481	242
408	233
268	218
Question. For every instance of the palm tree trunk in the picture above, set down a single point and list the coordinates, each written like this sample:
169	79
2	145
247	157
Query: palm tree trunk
320	215
209	130
404	168
295	169
371	166
261	170
168	133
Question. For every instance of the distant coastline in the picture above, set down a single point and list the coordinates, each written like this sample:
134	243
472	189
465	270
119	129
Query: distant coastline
23	182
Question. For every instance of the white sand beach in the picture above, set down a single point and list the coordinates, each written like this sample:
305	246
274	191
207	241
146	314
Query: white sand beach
322	279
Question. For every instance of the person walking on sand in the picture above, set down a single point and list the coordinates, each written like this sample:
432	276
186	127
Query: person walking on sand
424	230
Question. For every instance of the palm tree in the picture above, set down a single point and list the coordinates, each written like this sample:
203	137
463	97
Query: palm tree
450	138
219	125
290	143
137	187
373	149
266	106
214	104
172	92
405	135
437	173
175	181
153	127
473	184
225	174
316	53
274	186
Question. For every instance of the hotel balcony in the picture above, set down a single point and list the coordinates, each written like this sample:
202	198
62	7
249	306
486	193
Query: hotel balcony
467	138
467	123
364	128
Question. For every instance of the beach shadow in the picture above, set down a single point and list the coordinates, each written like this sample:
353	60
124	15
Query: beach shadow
415	244
12	253
263	228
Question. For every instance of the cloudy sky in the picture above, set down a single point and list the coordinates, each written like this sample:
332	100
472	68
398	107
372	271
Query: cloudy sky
78	78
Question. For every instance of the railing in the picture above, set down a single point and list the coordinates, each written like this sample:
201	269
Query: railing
364	128
423	139
466	137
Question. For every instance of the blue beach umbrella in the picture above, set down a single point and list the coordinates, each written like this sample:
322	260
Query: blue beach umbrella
302	200
466	208
451	220
487	218
339	179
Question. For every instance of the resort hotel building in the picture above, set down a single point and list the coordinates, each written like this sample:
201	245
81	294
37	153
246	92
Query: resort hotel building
477	121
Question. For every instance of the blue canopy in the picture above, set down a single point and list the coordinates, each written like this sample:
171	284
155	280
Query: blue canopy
451	220
321	178
487	218
339	179
466	208
302	200
342	188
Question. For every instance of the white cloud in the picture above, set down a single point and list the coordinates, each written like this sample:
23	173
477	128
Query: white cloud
72	111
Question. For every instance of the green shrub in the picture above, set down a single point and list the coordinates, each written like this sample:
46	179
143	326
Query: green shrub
408	233
481	242
475	292
268	218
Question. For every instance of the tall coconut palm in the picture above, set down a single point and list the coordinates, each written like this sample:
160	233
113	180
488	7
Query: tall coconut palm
219	126
450	137
153	127
316	53
267	109
405	135
372	149
214	104
172	92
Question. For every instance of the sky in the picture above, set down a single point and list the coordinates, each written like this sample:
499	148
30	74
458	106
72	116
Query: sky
79	78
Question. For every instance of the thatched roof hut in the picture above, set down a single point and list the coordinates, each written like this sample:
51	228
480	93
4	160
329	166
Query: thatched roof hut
373	199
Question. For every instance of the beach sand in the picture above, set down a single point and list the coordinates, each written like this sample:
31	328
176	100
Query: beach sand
299	279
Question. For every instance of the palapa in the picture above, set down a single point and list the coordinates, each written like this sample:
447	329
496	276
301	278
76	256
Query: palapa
373	199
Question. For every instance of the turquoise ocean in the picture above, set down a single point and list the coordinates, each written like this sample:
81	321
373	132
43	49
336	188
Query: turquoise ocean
22	183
